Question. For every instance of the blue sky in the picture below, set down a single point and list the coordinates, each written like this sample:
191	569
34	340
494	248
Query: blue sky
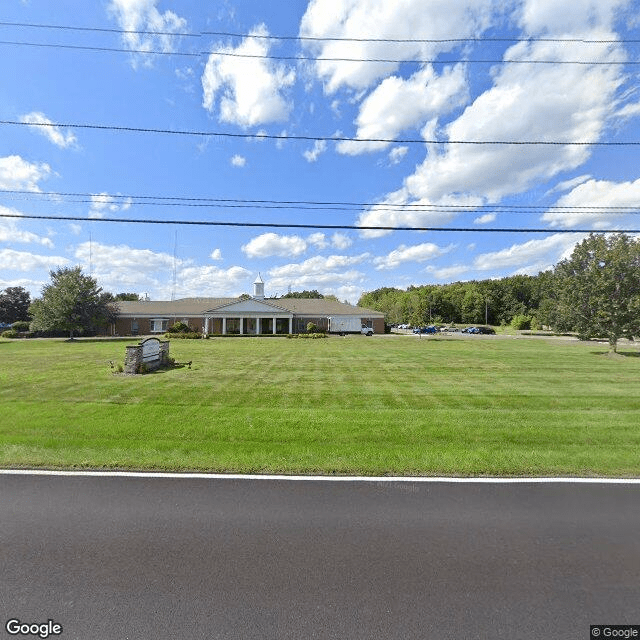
473	81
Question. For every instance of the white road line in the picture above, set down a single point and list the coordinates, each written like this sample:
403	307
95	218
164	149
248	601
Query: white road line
234	476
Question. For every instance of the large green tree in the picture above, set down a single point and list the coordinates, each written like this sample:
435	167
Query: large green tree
72	302
597	289
14	304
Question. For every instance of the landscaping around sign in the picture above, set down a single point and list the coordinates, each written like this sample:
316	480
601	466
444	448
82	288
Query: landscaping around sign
387	405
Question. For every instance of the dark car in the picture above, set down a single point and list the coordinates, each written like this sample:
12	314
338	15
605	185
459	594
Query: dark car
485	330
470	330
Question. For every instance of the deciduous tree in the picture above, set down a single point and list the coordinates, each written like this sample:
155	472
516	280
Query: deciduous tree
597	289
72	302
14	304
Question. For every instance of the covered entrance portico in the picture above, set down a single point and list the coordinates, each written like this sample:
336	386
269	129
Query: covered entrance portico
249	317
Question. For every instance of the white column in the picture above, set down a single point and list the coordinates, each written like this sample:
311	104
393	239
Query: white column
206	324
257	326
241	326
290	324
274	324
224	325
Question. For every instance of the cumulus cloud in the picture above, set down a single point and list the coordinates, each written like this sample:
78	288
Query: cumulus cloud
10	232
272	244
211	281
249	91
143	15
594	203
485	219
401	19
329	274
397	153
12	260
531	256
341	241
238	161
398	104
102	203
216	255
63	138
547	103
416	253
18	174
319	147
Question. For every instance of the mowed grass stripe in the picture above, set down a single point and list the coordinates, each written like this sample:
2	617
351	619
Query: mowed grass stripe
354	405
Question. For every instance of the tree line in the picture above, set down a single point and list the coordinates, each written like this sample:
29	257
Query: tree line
594	293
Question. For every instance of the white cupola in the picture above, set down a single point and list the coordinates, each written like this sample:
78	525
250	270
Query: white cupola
258	288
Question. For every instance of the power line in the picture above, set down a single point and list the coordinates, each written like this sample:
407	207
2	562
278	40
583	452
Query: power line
265	136
319	38
299	58
275	225
187	201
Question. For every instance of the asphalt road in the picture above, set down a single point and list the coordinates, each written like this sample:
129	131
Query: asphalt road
116	558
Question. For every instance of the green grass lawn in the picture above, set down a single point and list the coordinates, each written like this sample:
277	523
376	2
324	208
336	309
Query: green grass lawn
356	405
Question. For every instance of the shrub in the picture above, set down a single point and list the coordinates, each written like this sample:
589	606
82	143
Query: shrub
190	335
180	327
520	322
20	325
9	333
312	327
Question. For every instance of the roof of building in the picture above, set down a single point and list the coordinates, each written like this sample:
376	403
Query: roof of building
198	306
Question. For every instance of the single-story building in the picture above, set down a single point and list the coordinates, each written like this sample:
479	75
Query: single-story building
255	315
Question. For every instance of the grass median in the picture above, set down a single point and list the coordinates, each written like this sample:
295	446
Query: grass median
355	405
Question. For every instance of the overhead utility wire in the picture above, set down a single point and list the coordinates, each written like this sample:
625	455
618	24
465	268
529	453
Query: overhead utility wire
266	136
185	201
232	54
274	225
316	38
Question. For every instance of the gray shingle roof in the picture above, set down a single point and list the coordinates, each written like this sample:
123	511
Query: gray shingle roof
197	306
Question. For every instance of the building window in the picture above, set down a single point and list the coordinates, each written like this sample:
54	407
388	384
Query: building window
159	325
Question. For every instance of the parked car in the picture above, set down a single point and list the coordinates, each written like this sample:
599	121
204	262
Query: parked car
471	330
485	330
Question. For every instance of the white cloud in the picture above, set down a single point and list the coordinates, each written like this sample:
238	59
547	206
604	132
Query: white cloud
76	229
415	253
341	241
143	15
12	260
583	203
569	184
195	281
318	240
485	219
10	232
319	147
399	210
629	111
400	19
398	104
397	153
272	244
531	256
216	255
18	174
251	88
328	274
447	274
238	161
550	103
60	137
103	202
